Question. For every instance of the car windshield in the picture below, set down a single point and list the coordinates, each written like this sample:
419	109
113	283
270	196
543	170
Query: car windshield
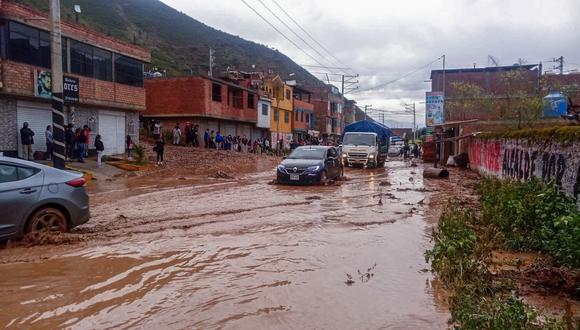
308	153
359	139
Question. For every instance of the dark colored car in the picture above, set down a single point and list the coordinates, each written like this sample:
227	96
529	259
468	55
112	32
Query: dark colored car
309	165
35	197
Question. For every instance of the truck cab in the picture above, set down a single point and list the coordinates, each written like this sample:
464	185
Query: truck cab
363	148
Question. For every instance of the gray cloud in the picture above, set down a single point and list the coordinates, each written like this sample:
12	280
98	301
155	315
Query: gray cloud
383	40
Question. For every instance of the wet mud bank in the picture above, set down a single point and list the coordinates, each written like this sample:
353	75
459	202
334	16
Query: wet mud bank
238	254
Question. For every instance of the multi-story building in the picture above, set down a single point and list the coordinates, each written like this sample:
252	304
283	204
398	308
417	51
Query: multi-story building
349	112
303	119
282	108
211	103
103	80
328	105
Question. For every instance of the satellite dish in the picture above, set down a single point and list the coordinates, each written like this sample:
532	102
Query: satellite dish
78	9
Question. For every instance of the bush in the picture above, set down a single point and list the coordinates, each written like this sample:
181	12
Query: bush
455	255
533	216
140	158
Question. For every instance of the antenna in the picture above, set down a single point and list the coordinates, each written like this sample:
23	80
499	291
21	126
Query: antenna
492	61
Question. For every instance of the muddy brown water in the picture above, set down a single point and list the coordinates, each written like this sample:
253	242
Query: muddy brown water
236	254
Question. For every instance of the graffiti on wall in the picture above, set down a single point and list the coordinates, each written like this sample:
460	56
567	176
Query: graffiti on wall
523	160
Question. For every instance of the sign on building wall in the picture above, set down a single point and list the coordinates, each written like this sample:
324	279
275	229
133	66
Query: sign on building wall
434	108
43	86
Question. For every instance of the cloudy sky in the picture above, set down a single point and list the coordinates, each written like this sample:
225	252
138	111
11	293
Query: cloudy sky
385	40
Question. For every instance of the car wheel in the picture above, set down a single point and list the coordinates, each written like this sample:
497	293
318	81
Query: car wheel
323	177
47	219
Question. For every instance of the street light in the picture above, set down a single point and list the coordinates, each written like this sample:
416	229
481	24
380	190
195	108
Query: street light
77	12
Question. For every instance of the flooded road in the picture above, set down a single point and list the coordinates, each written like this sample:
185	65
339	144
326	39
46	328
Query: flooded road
239	255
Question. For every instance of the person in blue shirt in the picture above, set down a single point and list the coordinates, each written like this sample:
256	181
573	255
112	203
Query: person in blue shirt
219	140
206	138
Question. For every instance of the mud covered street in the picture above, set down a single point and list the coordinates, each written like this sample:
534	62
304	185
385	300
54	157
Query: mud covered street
236	254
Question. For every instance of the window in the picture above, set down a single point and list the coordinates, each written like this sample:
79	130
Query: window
81	59
296	119
28	45
251	101
216	92
276	115
308	118
10	173
128	71
286	116
302	116
287	94
102	64
264	109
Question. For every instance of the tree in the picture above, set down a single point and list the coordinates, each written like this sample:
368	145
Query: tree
467	101
520	99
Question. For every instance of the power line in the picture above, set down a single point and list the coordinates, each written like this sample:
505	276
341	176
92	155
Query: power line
313	39
400	78
282	34
290	29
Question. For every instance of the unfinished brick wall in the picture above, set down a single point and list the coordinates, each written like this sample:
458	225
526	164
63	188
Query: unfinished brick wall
523	160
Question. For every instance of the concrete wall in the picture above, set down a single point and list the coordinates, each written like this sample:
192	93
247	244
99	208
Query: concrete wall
523	160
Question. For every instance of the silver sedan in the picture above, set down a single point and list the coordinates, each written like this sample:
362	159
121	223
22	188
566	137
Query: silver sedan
35	198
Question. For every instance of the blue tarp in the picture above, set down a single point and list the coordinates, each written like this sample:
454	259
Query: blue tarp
368	126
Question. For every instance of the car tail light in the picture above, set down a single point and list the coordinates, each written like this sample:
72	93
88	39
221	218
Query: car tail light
76	182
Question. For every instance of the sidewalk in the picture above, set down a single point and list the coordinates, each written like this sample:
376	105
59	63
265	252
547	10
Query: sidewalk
90	168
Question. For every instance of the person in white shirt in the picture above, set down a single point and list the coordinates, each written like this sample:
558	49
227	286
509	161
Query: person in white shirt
176	134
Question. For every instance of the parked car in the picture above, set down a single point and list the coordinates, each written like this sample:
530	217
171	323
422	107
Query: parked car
35	198
394	150
309	165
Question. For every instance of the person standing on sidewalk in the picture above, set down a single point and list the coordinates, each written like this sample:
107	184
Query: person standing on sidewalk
27	140
49	142
81	143
159	148
176	134
157	130
206	138
129	143
195	134
87	133
69	138
100	149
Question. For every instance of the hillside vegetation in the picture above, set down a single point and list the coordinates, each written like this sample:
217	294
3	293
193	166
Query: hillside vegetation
178	43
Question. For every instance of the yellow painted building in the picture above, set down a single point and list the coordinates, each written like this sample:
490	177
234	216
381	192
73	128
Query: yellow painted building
282	107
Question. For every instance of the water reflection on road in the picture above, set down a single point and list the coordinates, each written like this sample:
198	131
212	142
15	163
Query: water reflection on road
239	255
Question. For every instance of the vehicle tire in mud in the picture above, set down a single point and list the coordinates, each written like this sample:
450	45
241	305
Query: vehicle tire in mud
48	219
323	178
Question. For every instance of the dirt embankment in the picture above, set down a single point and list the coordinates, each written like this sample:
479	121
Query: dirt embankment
188	161
552	289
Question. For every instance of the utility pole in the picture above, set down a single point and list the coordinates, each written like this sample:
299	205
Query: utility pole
443	75
367	107
561	65
57	86
411	107
211	62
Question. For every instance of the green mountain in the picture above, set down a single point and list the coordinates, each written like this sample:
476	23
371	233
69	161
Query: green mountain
178	43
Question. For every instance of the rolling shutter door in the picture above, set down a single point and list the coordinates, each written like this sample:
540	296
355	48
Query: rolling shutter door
38	116
112	131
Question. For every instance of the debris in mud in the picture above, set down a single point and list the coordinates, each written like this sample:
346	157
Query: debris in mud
312	198
435	173
273	182
222	175
181	178
421	202
349	281
366	276
411	179
385	183
413	172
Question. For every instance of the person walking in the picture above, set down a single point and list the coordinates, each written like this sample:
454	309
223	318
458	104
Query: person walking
27	140
157	130
100	149
69	139
159	148
81	142
49	142
195	134
176	134
130	145
206	138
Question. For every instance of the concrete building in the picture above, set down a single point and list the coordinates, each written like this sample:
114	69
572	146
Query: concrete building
282	105
349	112
303	119
264	112
211	103
103	80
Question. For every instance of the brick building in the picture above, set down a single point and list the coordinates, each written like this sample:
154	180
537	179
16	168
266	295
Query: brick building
211	103
328	115
103	80
303	119
349	112
492	82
